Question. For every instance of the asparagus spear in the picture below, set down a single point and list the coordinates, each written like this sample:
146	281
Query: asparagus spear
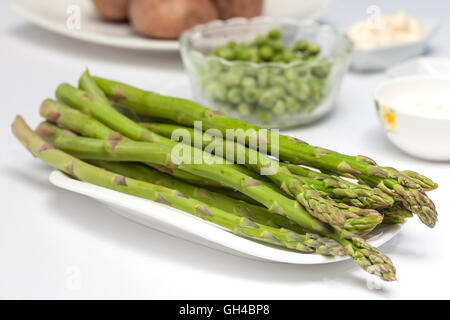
318	206
253	212
101	109
185	112
161	154
309	198
85	125
355	194
174	198
365	256
130	151
397	211
240	208
258	193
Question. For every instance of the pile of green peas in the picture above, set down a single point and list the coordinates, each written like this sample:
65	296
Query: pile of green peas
267	48
266	91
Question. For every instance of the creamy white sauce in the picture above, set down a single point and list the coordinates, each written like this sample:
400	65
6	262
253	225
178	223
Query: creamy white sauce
422	107
385	31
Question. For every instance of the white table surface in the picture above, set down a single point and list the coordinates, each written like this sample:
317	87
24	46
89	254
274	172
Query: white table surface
55	244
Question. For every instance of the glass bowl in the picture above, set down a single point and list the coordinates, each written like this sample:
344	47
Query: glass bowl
268	94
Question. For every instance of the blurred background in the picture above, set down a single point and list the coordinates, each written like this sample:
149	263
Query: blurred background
47	42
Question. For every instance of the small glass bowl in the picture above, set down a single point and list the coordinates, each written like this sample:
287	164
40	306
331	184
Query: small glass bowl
269	94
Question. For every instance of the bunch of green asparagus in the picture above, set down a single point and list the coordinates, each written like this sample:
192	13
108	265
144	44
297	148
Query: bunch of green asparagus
305	200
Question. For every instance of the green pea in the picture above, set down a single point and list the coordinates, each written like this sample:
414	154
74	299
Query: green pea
313	49
280	108
288	55
260	40
291	74
244	109
301	45
245	45
322	69
243	55
303	91
267	100
250	94
263	78
317	90
232	44
248	82
292	105
254	55
227	53
277	80
274	33
216	90
216	51
278	58
277	45
278	91
265	53
231	78
235	95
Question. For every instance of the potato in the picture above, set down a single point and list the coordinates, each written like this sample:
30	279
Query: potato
167	19
239	8
114	10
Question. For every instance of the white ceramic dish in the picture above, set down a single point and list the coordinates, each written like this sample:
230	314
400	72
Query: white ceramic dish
420	131
180	224
421	67
364	60
53	15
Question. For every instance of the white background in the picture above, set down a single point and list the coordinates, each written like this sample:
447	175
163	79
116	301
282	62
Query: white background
55	244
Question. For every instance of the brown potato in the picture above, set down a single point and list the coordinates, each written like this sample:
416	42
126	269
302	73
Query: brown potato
113	10
239	8
167	19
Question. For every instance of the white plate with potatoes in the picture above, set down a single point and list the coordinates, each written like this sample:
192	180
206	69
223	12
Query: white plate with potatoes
145	24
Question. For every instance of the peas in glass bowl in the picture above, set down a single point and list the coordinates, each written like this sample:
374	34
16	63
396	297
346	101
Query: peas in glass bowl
273	72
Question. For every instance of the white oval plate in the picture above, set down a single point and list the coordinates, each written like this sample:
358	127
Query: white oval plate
183	225
53	15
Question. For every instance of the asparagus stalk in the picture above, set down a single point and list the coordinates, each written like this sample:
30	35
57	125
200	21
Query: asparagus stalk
370	259
85	125
352	224
257	214
355	194
174	198
397	211
238	207
185	112
318	206
309	198
161	154
100	109
131	151
271	199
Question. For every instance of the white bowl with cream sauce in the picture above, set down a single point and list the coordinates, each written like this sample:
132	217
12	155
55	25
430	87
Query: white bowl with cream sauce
415	114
